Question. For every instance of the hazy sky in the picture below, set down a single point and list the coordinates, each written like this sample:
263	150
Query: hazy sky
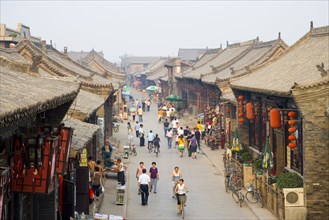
160	28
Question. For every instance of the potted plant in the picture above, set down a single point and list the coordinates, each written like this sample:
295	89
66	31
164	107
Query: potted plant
290	180
258	166
246	158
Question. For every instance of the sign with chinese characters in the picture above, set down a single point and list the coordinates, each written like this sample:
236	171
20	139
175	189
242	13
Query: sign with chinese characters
83	158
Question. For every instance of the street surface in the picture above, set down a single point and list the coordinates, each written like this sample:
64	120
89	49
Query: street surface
206	199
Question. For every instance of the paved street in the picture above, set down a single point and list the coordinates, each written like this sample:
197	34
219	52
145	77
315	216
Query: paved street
206	199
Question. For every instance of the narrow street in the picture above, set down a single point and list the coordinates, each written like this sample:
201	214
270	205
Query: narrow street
206	198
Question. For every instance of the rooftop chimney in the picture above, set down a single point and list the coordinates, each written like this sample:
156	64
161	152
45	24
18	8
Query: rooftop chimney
65	52
311	25
44	46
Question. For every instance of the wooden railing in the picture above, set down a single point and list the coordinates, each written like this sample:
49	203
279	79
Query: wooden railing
273	197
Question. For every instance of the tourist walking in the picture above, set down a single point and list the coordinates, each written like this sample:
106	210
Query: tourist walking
129	128
144	182
197	136
181	145
176	176
148	105
139	172
91	165
193	146
140	114
169	136
154	174
137	126
141	136
97	182
166	127
133	115
156	143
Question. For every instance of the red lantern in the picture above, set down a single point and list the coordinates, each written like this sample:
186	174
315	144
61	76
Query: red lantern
240	103
292	130
291	122
291	137
240	108
240	97
227	109
292	114
241	114
275	119
250	111
292	145
241	120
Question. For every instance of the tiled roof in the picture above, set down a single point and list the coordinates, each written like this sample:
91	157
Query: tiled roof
298	65
228	54
12	54
141	60
209	55
82	134
259	50
191	54
87	103
23	95
78	56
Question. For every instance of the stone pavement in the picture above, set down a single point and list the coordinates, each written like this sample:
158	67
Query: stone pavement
216	158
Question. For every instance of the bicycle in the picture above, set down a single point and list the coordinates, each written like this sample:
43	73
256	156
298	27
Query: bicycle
237	195
254	196
182	199
115	127
156	151
150	146
133	150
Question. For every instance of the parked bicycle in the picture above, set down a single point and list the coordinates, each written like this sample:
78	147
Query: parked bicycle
233	182
253	195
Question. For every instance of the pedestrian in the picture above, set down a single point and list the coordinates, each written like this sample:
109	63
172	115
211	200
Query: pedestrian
176	176
136	103
129	128
141	136
97	182
159	115
137	126
169	136
107	151
156	142
139	172
148	105
193	146
186	131
197	136
101	169
188	139
181	145
140	114
144	182
166	126
121	114
154	174
91	166
121	173
133	115
150	137
143	105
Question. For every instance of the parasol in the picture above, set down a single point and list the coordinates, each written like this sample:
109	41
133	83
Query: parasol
164	108
174	98
152	88
133	109
267	159
236	146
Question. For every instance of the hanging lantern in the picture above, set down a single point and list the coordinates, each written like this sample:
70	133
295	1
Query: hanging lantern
240	108
241	114
275	119
227	109
291	137
292	130
240	97
241	120
292	114
240	103
291	122
292	145
250	111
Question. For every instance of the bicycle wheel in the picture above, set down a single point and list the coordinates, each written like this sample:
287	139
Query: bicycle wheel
135	152
251	197
260	200
116	129
238	196
149	147
156	152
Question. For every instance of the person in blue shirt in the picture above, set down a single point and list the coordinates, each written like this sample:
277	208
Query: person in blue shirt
106	151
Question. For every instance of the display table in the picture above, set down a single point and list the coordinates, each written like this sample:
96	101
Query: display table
120	195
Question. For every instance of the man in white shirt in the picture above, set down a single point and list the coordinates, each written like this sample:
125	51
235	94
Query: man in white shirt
150	137
143	184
